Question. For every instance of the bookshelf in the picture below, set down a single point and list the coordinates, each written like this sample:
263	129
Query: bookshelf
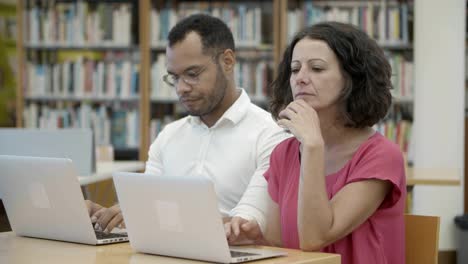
79	67
390	23
68	48
261	28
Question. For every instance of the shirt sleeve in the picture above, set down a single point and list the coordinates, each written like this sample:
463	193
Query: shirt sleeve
154	165
383	161
254	202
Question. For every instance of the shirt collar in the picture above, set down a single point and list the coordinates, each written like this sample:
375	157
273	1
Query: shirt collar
235	113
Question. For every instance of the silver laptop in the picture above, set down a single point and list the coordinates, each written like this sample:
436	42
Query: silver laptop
43	198
177	217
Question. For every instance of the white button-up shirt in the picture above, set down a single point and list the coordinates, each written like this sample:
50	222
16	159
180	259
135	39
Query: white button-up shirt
233	153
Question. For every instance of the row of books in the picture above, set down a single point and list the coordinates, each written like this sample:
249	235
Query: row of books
244	20
158	124
397	125
255	77
402	76
397	131
116	126
82	75
78	23
387	22
252	75
159	89
97	77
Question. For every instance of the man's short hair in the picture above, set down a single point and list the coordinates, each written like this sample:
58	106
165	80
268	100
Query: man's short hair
215	35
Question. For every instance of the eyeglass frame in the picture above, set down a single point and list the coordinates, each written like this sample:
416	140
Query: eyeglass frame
196	79
184	77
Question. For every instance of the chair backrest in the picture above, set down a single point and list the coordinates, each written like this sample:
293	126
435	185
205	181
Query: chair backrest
422	239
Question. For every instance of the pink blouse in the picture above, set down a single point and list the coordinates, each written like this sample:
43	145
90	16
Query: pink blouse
381	238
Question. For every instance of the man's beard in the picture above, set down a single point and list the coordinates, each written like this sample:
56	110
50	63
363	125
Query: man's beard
214	100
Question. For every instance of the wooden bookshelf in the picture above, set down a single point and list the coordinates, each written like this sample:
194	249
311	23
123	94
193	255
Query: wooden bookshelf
62	36
151	106
144	22
147	104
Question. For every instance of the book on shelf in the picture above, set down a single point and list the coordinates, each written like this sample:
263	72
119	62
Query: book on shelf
159	89
124	128
402	75
255	77
397	125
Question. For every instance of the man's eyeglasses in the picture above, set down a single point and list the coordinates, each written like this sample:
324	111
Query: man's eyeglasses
190	78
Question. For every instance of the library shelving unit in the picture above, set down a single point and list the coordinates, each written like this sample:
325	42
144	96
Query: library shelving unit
98	64
79	67
390	23
80	43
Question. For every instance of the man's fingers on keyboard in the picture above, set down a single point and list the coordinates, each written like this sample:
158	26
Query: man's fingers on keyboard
97	227
235	225
252	230
116	220
121	225
227	229
95	217
105	218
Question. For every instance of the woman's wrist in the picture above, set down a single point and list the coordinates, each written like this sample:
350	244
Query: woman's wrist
313	146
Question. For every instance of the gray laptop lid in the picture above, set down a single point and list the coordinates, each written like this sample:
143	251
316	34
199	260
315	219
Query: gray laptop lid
42	198
75	144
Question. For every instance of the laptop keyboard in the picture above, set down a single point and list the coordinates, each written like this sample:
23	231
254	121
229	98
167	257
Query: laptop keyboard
102	235
237	254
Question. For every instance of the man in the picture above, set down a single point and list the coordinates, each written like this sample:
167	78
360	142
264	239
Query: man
225	138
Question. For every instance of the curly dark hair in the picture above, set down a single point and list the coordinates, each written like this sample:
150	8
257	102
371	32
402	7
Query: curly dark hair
215	35
366	97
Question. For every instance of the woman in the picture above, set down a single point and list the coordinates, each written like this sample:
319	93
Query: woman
338	185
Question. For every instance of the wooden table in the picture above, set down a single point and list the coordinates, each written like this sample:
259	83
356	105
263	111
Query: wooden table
428	176
19	250
432	176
